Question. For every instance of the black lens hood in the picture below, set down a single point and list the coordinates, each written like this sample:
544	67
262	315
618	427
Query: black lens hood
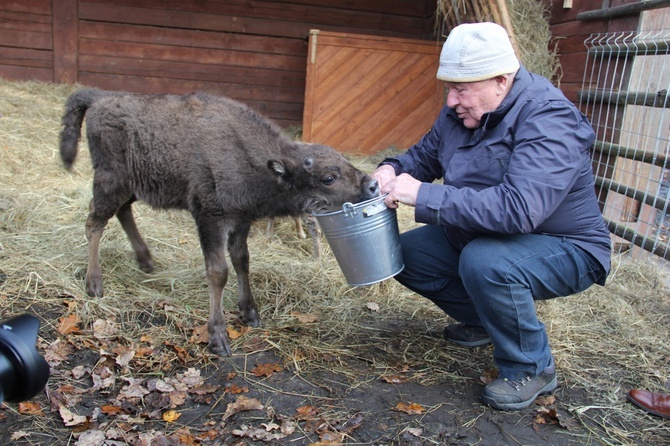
23	372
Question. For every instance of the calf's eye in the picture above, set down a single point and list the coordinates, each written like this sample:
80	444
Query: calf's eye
328	180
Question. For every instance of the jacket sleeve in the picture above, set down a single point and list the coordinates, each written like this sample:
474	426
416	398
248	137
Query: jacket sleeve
421	160
551	143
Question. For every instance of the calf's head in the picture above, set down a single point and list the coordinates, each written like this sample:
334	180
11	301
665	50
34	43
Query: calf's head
322	178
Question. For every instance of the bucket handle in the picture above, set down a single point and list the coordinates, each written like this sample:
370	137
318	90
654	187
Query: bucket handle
349	209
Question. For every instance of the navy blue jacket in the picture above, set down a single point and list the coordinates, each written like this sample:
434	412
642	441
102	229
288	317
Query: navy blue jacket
525	169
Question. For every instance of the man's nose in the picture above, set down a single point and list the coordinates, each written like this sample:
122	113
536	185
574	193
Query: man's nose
452	99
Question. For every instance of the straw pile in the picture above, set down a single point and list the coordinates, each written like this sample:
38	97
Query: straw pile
606	341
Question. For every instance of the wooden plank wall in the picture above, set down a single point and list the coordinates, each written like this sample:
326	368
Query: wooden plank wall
365	94
255	52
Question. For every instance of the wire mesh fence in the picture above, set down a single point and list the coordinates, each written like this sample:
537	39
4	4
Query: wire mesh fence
624	93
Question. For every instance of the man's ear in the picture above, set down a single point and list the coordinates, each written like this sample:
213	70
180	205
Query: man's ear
502	83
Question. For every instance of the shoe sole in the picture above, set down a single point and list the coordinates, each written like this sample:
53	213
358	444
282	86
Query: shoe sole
549	388
477	343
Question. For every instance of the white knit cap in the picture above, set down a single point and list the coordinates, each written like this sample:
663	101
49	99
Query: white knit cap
475	52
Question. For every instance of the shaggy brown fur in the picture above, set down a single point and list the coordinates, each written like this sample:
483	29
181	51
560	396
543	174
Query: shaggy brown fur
212	156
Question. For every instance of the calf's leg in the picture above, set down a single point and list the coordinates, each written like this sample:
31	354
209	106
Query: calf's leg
108	197
212	233
142	253
239	256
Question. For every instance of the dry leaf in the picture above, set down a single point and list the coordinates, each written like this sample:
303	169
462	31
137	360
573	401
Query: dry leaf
395	379
200	335
71	418
110	410
372	306
241	404
182	354
68	324
19	435
30	408
235	389
266	369
125	355
545	400
306	412
171	416
411	408
104	329
489	376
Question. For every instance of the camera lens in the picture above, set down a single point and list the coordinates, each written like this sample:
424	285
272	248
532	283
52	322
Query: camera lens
23	372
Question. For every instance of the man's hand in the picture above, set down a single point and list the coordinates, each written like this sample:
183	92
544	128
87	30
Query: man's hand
402	189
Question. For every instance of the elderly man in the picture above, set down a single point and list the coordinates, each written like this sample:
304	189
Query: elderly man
515	218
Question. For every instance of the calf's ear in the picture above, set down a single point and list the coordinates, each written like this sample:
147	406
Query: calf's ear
277	167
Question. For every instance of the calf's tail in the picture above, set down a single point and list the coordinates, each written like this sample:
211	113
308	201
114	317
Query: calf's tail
72	120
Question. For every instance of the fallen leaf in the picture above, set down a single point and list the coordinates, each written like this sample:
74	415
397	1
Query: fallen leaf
110	410
489	376
411	408
124	355
241	404
93	437
200	335
545	400
257	434
30	408
267	369
270	426
171	416
71	418
68	324
395	379
182	354
306	412
234	334
104	329
19	435
235	389
351	424
372	306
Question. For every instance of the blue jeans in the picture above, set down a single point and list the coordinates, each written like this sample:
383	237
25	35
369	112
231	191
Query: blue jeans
493	282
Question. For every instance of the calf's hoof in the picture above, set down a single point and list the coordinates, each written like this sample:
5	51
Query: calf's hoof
94	288
250	318
218	341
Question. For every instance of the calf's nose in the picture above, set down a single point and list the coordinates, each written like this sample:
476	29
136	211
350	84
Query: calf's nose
373	188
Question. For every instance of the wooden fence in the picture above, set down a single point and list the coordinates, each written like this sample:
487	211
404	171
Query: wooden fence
254	52
366	93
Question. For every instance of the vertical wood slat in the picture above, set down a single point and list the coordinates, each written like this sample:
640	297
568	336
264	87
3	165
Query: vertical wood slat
365	93
65	38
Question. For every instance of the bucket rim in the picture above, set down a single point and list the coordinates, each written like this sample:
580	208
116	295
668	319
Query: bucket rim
354	205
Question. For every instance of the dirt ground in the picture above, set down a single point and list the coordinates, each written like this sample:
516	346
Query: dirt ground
187	396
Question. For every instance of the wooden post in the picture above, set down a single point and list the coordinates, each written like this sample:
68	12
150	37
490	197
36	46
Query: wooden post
65	37
506	22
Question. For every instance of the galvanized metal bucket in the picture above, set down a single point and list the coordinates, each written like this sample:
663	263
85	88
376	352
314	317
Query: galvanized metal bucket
364	238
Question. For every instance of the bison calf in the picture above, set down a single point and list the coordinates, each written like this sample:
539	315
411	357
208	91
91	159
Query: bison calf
213	156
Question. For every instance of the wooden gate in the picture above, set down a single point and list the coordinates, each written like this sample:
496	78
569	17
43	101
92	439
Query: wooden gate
365	94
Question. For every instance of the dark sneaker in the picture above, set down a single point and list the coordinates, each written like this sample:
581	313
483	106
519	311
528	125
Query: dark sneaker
507	394
466	335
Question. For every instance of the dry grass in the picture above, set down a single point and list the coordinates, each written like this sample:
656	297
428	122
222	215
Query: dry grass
606	341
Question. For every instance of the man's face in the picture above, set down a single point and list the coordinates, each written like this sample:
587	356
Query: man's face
472	99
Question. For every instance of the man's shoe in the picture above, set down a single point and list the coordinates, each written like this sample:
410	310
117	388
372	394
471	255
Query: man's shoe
466	335
652	402
507	394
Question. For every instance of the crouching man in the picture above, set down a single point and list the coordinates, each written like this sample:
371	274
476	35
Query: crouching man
515	218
